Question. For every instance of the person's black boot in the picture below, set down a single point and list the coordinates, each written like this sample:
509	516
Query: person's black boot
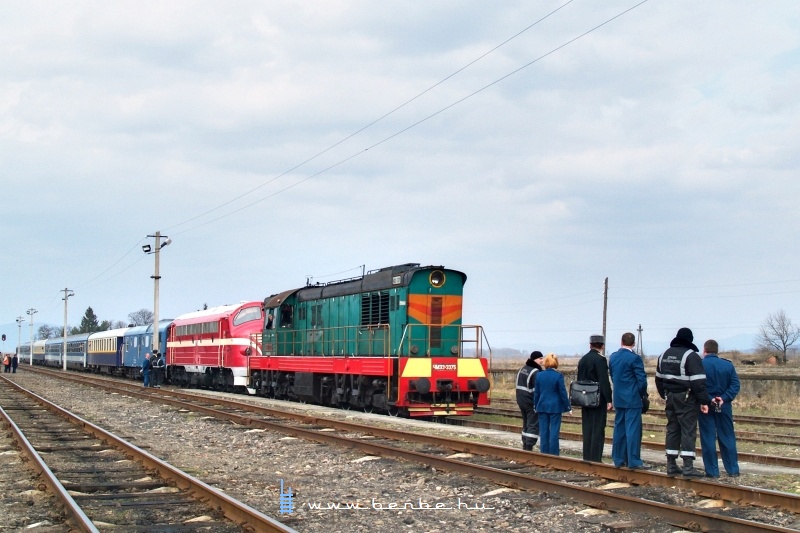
689	470
672	466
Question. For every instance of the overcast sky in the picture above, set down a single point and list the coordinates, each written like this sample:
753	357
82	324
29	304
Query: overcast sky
272	141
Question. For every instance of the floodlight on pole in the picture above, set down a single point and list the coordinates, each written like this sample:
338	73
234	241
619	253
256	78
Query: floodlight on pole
67	294
156	277
31	312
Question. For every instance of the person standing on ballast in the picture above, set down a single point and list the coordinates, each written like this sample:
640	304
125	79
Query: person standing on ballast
526	378
681	381
594	367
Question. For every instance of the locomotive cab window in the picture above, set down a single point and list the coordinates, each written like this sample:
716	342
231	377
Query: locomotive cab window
246	315
286	316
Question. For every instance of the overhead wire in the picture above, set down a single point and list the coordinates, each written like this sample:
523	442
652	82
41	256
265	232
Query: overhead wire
414	124
369	125
386	139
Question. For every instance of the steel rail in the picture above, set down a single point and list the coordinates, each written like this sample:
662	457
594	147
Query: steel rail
241	513
655	412
688	518
73	511
755	458
743	436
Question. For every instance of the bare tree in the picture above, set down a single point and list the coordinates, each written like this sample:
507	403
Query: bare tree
142	317
47	332
778	334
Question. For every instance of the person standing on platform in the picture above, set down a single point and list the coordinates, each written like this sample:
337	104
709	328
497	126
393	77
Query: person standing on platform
594	367
681	381
6	364
147	367
630	386
14	363
525	382
722	384
550	400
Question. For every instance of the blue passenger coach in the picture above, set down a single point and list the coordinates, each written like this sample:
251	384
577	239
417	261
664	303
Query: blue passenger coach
76	351
105	350
139	341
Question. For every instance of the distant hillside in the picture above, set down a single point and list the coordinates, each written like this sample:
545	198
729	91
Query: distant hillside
741	343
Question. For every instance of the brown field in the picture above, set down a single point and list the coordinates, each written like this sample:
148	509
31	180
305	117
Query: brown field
762	398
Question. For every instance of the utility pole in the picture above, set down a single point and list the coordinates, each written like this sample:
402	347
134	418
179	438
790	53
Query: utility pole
31	312
20	320
156	277
605	310
639	342
67	294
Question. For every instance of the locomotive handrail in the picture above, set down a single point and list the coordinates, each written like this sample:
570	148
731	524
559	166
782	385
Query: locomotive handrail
407	339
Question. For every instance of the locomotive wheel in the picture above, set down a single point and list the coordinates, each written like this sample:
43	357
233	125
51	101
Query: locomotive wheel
394	411
368	408
344	406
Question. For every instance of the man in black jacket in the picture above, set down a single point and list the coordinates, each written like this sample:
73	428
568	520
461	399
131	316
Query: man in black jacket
681	381
526	377
594	367
159	366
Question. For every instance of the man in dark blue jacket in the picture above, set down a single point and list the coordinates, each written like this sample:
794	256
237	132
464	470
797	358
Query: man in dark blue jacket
681	381
723	386
147	366
630	385
525	385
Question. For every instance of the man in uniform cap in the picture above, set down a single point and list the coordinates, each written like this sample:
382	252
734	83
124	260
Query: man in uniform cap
594	367
526	378
681	381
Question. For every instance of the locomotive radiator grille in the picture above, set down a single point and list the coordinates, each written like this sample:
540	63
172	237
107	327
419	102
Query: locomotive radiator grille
436	320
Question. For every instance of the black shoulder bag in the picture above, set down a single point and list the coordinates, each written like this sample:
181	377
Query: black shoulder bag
584	394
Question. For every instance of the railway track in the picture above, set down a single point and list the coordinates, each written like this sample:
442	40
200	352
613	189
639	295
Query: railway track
103	482
631	490
761	421
757	437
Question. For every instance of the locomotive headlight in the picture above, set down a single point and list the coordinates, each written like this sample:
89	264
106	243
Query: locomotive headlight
436	278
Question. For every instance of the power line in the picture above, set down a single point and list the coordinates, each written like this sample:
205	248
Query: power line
399	132
369	125
384	140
